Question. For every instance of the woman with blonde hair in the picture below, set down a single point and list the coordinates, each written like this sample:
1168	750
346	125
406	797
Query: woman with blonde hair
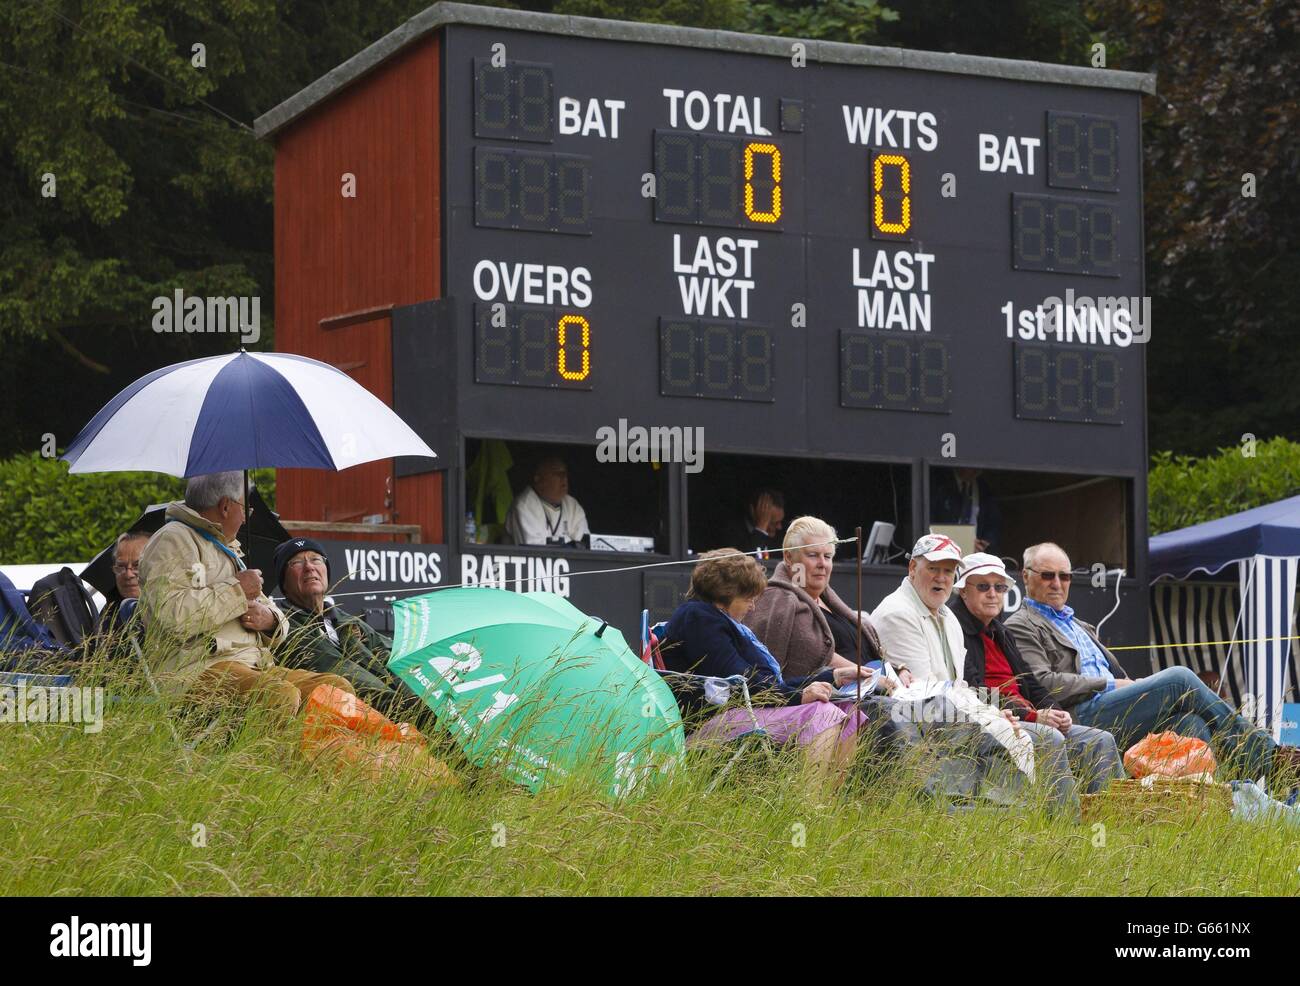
803	621
705	636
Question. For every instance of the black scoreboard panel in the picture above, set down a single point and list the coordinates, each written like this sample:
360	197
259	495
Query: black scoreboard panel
840	259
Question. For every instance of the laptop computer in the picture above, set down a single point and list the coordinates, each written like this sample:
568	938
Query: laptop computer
963	535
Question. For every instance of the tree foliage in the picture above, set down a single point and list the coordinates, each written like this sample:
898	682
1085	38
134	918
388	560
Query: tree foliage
1185	490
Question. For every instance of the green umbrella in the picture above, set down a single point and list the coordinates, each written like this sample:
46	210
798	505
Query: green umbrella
528	681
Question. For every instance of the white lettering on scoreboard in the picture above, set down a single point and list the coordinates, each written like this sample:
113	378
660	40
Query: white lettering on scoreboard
590	118
519	573
874	126
532	284
386	565
895	294
720	113
708	278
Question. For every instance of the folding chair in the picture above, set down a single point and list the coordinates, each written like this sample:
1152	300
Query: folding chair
716	691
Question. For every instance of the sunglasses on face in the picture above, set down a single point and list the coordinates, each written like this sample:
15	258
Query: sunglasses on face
1053	576
998	587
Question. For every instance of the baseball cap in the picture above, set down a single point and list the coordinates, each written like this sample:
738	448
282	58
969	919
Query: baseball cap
936	547
981	563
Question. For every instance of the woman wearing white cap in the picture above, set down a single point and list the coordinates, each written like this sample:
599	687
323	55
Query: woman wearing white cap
993	662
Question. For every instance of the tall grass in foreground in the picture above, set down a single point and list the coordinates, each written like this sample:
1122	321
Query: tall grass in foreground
127	811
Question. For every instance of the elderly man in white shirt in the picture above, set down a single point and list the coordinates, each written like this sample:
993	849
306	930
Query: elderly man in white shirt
920	632
545	513
916	626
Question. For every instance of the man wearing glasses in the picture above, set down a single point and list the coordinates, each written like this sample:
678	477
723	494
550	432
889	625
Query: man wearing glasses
323	638
993	662
1078	674
126	577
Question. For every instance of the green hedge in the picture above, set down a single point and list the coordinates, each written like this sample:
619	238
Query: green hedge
1184	490
48	515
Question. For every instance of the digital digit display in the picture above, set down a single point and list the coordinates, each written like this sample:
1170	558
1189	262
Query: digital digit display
709	358
1068	383
1082	151
894	372
517	189
1065	235
515	101
844	261
532	346
714	180
891	197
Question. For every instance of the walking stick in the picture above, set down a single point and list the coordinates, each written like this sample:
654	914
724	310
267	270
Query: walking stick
857	548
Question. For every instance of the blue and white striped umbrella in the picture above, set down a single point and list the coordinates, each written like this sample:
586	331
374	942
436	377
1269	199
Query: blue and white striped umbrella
242	411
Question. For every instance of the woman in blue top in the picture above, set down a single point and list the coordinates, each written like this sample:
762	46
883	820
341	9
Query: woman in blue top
706	636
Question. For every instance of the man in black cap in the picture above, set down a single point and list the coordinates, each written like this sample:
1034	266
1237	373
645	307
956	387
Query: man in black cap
325	639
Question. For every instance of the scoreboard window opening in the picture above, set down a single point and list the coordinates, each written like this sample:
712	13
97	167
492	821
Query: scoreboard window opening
1067	236
1082	151
1068	383
716	180
1089	516
894	371
533	346
623	498
701	357
537	190
843	493
515	101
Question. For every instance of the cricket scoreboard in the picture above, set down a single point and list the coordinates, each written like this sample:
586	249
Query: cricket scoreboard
807	249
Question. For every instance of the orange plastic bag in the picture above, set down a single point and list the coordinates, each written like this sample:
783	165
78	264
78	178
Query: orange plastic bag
330	709
1170	755
342	730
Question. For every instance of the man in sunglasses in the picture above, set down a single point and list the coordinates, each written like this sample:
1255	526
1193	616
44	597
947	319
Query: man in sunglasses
993	663
1078	674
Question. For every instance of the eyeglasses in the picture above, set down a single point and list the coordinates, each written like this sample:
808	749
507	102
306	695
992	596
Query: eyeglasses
302	561
998	587
126	566
1052	576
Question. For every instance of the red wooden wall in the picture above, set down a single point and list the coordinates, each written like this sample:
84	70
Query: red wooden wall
335	255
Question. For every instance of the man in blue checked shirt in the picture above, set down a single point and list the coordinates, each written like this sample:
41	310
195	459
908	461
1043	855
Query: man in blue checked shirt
1081	676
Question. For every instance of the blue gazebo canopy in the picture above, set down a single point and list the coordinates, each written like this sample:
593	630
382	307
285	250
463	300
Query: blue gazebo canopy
1273	529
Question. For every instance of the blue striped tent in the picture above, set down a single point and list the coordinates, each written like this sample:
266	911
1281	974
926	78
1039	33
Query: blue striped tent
1193	602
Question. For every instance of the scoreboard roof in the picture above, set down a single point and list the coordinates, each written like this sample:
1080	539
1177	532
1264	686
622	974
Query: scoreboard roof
442	14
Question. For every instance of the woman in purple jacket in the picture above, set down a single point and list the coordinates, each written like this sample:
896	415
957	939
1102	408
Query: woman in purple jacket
705	636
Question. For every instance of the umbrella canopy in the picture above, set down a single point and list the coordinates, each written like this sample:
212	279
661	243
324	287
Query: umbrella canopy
530	682
242	411
258	538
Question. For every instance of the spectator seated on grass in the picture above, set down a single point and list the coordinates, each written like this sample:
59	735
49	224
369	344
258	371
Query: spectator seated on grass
919	629
322	638
1077	673
705	636
121	604
993	662
210	629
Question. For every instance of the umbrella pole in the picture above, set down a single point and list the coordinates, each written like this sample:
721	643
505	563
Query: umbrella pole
248	526
857	548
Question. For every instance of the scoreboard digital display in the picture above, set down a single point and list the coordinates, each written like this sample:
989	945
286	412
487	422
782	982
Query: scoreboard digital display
802	258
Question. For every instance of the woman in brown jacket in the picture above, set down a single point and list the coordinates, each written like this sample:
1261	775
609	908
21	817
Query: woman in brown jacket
801	619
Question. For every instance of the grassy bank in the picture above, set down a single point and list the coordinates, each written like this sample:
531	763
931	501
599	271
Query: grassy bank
125	811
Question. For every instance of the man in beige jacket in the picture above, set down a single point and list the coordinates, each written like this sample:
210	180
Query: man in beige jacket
210	629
